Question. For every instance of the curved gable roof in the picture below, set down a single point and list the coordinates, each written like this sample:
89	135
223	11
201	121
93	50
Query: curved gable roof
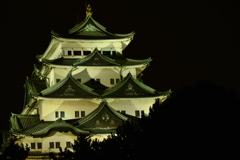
104	114
96	59
130	87
19	121
60	126
91	29
69	88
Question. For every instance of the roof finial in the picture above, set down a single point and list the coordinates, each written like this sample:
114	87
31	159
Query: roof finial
89	10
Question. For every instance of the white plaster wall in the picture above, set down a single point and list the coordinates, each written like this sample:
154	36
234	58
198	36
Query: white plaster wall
86	74
55	136
51	77
131	105
104	74
81	73
28	140
125	71
100	137
47	108
90	46
60	73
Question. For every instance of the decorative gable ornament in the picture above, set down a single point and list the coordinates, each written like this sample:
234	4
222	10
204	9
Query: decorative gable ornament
69	91
130	90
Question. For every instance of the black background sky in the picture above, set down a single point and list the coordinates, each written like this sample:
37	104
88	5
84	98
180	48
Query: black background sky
187	40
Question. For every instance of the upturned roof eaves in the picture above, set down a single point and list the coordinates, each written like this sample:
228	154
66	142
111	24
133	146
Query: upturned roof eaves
96	59
114	91
60	61
100	130
89	93
58	125
31	129
19	121
35	86
133	62
75	32
94	113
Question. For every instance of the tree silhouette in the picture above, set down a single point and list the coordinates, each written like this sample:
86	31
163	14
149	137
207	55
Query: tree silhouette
197	122
14	151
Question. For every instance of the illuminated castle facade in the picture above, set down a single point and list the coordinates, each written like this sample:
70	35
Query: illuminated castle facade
82	85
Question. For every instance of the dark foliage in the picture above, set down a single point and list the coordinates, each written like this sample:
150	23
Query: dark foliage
197	122
14	151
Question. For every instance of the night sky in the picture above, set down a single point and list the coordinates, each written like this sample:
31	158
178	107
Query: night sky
187	40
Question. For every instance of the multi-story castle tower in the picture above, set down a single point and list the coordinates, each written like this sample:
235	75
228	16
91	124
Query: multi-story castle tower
82	84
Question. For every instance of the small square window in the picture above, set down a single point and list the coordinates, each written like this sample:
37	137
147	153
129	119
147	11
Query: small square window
86	52
56	114
113	53
142	112
82	113
57	144
51	144
76	113
33	146
137	113
58	80
39	145
111	81
68	144
69	53
62	114
77	53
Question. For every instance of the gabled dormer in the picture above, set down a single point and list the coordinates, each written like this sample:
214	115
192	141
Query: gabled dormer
89	28
130	87
58	126
68	88
102	118
83	38
96	59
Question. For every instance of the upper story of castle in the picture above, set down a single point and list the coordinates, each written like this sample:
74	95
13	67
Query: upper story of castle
83	38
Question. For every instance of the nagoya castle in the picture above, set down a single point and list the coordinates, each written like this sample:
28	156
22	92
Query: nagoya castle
83	84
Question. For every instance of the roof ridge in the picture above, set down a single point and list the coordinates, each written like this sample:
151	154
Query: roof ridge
95	52
115	87
63	82
95	112
82	29
126	79
58	124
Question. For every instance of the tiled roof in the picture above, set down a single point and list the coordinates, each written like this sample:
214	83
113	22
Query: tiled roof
69	88
106	116
61	61
130	87
101	130
34	128
96	59
132	62
59	125
91	29
35	85
42	128
19	121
